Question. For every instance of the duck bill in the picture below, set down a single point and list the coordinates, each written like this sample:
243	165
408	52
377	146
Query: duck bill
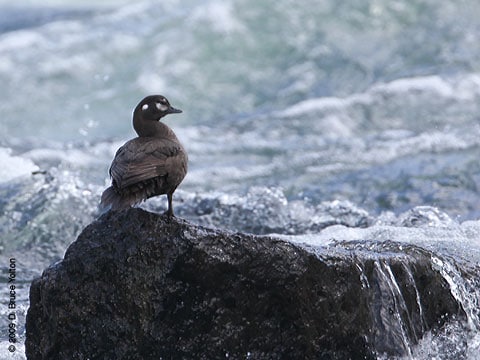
173	110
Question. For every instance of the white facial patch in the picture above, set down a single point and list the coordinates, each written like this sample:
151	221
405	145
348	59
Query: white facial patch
145	107
161	106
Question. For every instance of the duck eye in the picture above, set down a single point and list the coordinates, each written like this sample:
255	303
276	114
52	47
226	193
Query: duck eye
161	107
145	107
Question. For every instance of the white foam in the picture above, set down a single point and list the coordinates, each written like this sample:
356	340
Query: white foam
312	105
220	15
14	166
461	240
21	39
431	84
151	82
465	88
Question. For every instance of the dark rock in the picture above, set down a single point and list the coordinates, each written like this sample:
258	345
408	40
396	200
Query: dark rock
137	285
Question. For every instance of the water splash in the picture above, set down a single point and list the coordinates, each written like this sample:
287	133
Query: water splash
43	213
393	318
464	285
265	210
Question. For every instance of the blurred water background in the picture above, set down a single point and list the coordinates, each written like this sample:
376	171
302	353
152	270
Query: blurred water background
321	120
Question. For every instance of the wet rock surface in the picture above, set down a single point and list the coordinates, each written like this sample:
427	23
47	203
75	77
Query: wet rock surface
137	285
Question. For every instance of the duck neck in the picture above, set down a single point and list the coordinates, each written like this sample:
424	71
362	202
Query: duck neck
149	128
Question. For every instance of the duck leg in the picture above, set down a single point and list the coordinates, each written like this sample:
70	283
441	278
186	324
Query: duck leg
170	205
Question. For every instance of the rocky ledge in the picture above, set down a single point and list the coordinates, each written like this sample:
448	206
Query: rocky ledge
137	285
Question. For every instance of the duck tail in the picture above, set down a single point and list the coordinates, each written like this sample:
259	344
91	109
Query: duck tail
112	200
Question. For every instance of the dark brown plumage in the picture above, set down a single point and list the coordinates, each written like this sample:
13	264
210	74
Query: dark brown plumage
154	163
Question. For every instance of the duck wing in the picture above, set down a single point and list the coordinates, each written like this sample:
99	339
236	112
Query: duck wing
144	158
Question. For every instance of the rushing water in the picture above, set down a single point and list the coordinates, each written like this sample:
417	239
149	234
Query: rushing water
327	122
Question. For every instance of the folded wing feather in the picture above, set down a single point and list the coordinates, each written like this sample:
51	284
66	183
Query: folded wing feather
141	159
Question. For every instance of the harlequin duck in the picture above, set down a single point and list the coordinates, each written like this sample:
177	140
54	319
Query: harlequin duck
154	163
